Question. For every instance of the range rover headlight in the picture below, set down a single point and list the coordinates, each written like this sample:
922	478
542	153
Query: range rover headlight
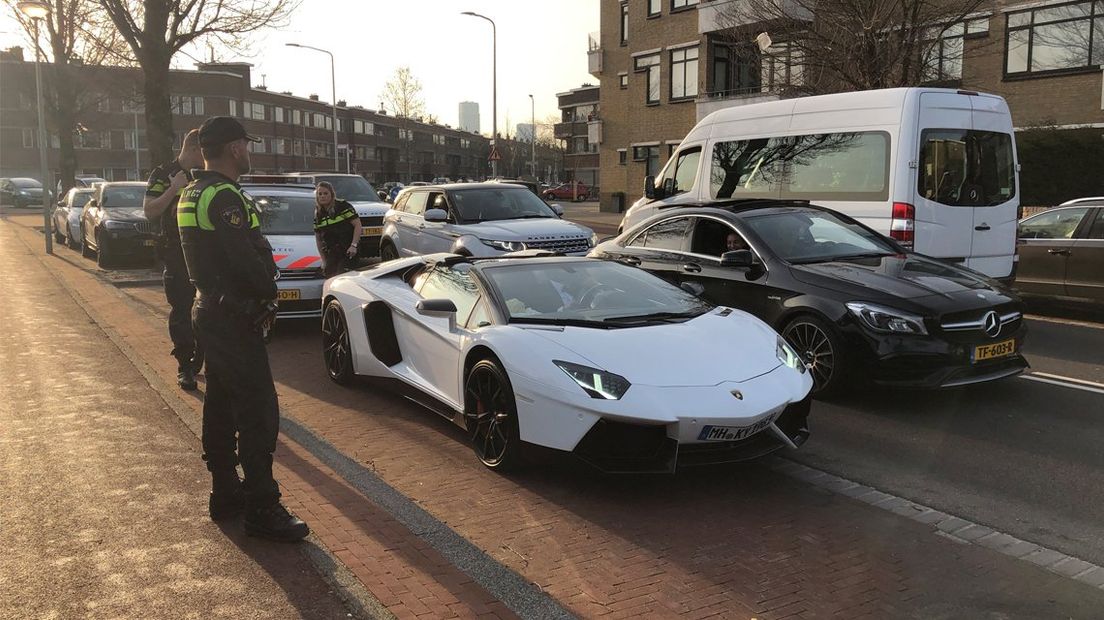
117	225
593	239
596	383
788	356
887	320
505	246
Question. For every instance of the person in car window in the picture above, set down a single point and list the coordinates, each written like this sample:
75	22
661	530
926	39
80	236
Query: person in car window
336	230
734	242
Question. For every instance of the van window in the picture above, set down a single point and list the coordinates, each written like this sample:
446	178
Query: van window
964	167
830	166
686	169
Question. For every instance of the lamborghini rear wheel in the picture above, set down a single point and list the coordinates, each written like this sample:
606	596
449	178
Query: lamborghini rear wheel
491	415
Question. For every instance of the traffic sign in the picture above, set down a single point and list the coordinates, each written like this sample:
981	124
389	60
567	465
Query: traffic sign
494	156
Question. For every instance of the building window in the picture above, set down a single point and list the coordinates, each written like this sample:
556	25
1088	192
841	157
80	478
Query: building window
278	113
684	73
650	156
623	80
296	117
781	68
1055	38
584	113
654	7
624	23
233	107
622	156
943	60
682	4
650	66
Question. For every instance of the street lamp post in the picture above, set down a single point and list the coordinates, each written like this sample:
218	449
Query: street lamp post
494	87
533	135
333	86
36	10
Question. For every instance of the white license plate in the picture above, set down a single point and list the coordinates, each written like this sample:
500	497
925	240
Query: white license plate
371	231
710	432
149	242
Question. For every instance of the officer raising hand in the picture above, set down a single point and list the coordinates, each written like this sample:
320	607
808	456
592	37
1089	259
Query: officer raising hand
230	263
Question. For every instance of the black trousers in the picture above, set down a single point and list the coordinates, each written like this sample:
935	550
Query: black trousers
180	294
240	399
335	261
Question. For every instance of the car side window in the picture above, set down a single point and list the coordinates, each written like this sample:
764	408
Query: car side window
400	203
480	316
1096	231
415	203
713	238
445	283
1056	224
667	235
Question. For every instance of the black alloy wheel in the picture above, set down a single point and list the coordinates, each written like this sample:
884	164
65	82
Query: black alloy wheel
490	413
820	348
103	259
388	252
71	241
58	236
336	351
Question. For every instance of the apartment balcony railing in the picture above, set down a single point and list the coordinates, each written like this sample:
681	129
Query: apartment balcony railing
594	54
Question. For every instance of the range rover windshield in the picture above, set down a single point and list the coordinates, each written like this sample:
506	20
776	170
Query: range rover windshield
499	203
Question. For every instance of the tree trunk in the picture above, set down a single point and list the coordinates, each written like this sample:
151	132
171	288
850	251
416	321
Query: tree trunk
64	114
159	121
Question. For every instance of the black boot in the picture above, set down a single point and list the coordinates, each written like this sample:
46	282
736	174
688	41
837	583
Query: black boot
276	523
227	498
185	377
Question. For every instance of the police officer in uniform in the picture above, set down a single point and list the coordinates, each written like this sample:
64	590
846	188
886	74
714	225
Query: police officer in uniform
230	264
162	191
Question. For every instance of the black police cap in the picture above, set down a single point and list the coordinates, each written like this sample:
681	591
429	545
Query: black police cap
219	130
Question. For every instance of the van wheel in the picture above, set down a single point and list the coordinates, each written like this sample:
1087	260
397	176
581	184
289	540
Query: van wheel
821	348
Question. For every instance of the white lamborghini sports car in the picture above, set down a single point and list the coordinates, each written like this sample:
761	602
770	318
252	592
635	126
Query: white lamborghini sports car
597	358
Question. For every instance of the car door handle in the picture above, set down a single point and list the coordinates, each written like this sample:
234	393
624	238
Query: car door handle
1058	251
631	260
982	227
692	268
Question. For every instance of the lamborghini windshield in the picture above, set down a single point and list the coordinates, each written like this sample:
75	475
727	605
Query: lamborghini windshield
598	292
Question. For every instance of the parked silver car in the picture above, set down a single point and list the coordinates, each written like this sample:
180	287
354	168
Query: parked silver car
478	219
67	216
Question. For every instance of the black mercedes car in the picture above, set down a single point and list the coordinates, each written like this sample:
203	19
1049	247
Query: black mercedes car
854	303
113	225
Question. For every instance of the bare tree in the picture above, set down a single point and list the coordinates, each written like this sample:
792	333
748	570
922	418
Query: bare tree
155	30
76	39
819	46
403	95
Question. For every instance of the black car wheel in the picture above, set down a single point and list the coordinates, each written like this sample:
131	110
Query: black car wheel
86	249
71	241
103	259
58	236
388	252
820	347
336	351
491	416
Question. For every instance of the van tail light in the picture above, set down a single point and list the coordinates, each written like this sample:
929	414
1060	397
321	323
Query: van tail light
902	228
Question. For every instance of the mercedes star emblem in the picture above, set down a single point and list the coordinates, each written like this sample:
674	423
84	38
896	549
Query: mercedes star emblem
991	324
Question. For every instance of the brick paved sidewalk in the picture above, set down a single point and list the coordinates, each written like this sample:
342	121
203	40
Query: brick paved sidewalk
734	542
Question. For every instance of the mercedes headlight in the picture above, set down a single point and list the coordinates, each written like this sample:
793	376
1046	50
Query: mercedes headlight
887	320
117	225
788	356
596	383
505	246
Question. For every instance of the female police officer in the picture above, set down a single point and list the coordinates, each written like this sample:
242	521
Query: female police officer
336	230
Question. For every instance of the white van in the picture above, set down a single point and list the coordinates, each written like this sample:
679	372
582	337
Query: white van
933	168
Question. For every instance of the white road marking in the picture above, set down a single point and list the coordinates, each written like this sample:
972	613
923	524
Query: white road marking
1070	382
1050	319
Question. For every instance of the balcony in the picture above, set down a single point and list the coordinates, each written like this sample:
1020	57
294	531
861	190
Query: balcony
563	131
727	14
710	102
594	131
594	54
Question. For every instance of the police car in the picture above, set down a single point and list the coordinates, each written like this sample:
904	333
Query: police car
287	221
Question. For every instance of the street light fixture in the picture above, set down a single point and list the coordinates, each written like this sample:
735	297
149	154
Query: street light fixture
333	86
494	86
533	135
36	11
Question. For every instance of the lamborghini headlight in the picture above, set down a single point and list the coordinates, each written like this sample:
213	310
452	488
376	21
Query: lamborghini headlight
788	356
887	320
505	246
596	383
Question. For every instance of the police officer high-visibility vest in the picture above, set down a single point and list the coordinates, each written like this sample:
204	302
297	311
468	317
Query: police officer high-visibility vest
220	231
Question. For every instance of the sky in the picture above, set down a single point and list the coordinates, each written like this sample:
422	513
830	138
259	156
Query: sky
541	50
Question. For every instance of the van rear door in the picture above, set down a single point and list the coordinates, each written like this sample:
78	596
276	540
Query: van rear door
993	247
944	229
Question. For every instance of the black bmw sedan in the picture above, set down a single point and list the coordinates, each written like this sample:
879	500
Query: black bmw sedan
855	304
113	225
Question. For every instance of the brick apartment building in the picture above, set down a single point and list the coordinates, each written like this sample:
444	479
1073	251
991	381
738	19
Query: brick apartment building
296	132
580	129
664	64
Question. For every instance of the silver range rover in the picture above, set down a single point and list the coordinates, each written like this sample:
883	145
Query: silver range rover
478	219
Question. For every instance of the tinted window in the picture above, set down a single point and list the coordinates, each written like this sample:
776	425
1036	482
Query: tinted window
126	197
286	215
813	236
415	203
1097	229
451	284
25	183
1056	224
351	188
714	238
485	204
667	235
80	199
960	167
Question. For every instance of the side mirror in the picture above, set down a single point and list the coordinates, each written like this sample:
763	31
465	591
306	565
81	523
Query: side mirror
694	288
668	187
382	195
436	215
559	211
442	308
738	258
649	187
